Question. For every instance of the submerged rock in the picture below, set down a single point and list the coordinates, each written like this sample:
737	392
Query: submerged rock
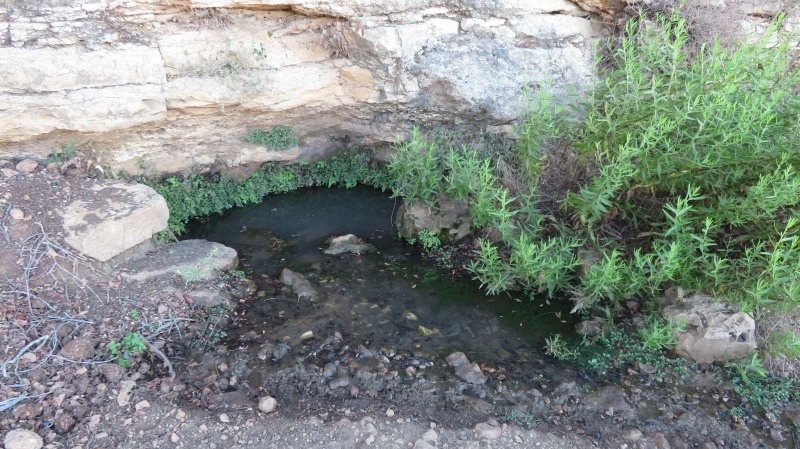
716	331
466	371
300	285
348	244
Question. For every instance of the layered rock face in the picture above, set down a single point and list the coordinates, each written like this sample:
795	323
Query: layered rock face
166	85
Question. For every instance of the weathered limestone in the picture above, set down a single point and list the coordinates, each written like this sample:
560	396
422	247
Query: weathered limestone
348	244
450	220
112	217
167	85
715	333
22	439
191	260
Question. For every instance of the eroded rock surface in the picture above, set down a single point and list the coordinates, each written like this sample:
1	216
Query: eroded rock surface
450	220
112	217
300	285
716	331
191	260
168	85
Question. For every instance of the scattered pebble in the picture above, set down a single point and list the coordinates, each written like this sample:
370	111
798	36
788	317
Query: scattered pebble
487	431
27	166
23	439
224	418
16	214
389	412
267	404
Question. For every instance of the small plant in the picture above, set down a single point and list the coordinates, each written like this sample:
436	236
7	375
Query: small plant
279	138
748	370
65	153
198	271
430	242
558	348
131	344
135	315
658	334
512	416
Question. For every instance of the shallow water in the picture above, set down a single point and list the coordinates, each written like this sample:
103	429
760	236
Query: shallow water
378	291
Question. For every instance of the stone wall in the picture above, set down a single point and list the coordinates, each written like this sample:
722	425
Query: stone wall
166	85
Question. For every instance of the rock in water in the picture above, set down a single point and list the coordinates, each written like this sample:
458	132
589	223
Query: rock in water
348	244
23	439
466	371
300	285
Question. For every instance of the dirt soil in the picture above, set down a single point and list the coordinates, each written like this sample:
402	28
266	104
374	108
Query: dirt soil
60	379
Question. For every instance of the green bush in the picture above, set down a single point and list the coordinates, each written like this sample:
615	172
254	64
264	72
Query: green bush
278	138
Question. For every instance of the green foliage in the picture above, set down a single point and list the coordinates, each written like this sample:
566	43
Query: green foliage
430	242
198	195
558	348
131	344
746	368
278	138
658	334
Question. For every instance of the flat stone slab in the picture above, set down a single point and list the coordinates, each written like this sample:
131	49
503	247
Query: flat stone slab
112	217
191	260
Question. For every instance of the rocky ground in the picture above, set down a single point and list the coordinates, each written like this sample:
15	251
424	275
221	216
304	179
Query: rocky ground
171	379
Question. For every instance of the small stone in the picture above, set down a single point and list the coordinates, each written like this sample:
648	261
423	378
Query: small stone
141	405
793	415
174	437
427	332
488	431
23	439
27	166
776	434
224	418
307	335
632	435
64	423
267	404
339	382
457	359
430	436
8	173
471	374
16	214
389	412
79	349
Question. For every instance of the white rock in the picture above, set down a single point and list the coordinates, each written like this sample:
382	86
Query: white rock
224	418
16	214
267	404
389	412
23	439
111	217
487	431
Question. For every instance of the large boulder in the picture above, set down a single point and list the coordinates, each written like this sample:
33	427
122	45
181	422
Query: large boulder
112	217
450	220
715	332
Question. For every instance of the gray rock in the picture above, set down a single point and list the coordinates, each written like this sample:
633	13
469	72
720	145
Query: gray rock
339	382
449	221
422	444
267	404
192	260
210	298
487	431
79	349
111	217
16	214
457	359
8	173
632	435
23	439
300	285
590	328
471	373
793	415
716	332
605	399
348	244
